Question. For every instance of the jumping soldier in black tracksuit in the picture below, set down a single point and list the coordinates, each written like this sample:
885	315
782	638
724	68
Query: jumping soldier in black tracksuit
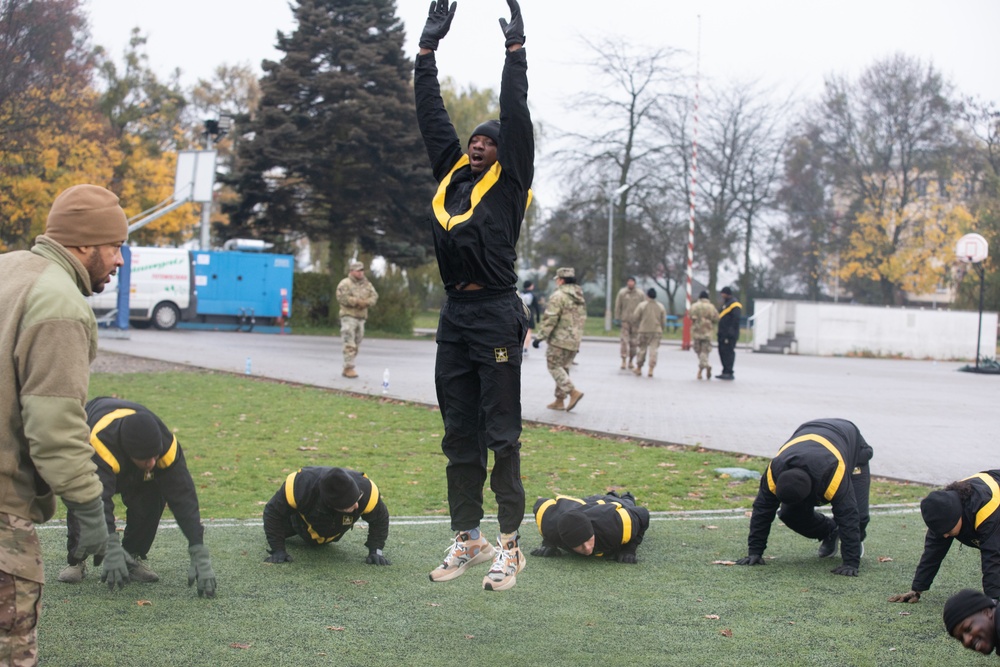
139	457
320	504
729	332
967	511
825	461
475	222
615	523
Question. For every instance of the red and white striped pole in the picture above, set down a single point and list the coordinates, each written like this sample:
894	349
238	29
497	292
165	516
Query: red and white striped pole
686	333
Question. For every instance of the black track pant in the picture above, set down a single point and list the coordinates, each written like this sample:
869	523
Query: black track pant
727	355
806	521
478	378
144	507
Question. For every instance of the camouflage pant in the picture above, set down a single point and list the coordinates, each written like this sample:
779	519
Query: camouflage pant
630	339
559	361
650	342
702	347
20	605
352	332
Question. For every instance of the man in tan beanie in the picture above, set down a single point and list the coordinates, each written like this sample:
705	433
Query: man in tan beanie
355	296
48	337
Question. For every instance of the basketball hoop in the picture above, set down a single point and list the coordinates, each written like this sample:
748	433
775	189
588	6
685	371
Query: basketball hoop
972	249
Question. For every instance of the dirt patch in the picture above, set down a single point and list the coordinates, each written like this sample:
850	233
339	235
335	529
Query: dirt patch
111	362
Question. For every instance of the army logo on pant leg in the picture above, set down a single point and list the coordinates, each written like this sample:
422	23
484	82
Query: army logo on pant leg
501	355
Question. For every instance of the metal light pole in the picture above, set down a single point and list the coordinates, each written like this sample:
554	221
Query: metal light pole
214	129
611	235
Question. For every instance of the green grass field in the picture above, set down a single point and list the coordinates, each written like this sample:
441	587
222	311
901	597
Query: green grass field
243	435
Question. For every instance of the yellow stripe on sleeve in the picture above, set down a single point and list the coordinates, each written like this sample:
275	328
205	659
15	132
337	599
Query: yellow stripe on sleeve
541	510
479	190
626	524
168	459
373	501
290	490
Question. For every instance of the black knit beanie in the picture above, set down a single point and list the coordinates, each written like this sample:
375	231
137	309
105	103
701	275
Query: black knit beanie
792	486
489	128
962	605
338	490
651	293
941	511
141	436
574	528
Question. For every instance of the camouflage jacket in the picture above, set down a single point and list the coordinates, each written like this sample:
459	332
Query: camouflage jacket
650	315
356	297
626	303
704	317
563	319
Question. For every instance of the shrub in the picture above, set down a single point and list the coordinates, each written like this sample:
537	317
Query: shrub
396	306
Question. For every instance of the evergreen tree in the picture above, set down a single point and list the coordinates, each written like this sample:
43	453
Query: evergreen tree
334	152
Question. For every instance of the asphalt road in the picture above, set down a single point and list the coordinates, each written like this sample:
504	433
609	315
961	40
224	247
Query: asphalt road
926	421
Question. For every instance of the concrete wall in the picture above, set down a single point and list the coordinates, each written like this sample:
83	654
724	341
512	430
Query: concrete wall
828	329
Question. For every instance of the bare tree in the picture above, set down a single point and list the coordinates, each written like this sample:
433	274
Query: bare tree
627	149
739	151
885	136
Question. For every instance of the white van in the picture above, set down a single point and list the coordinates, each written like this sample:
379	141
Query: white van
161	288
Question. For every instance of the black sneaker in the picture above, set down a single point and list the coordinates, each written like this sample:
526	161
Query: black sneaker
828	545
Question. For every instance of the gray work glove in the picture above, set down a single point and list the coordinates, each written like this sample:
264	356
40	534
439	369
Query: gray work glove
201	570
626	557
911	597
845	570
513	31
114	570
752	559
375	557
546	552
93	528
438	23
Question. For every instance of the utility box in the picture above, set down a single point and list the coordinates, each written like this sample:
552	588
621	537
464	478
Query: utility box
242	287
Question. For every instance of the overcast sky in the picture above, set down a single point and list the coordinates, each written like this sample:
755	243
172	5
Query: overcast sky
787	45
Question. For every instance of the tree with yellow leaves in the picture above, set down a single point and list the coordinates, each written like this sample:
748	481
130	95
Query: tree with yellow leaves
906	248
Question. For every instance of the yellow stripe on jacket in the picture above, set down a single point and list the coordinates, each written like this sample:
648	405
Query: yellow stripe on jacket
987	510
479	190
100	447
838	476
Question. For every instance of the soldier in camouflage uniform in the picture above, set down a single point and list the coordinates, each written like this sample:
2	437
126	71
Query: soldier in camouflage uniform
626	302
48	337
562	326
355	296
650	316
704	317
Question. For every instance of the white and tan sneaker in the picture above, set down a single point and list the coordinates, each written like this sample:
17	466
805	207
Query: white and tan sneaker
462	553
507	563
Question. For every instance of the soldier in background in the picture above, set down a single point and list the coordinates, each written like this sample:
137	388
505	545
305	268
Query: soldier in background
562	327
626	302
704	317
649	317
729	332
355	296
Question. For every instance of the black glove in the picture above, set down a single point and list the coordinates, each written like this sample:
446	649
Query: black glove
845	570
752	559
93	527
513	31
278	556
201	570
438	23
115	570
546	552
911	596
536	343
375	557
626	557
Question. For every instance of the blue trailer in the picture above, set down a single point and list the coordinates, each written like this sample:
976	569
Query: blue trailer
243	290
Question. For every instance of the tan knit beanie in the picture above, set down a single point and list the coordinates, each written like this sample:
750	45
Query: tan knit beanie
86	215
